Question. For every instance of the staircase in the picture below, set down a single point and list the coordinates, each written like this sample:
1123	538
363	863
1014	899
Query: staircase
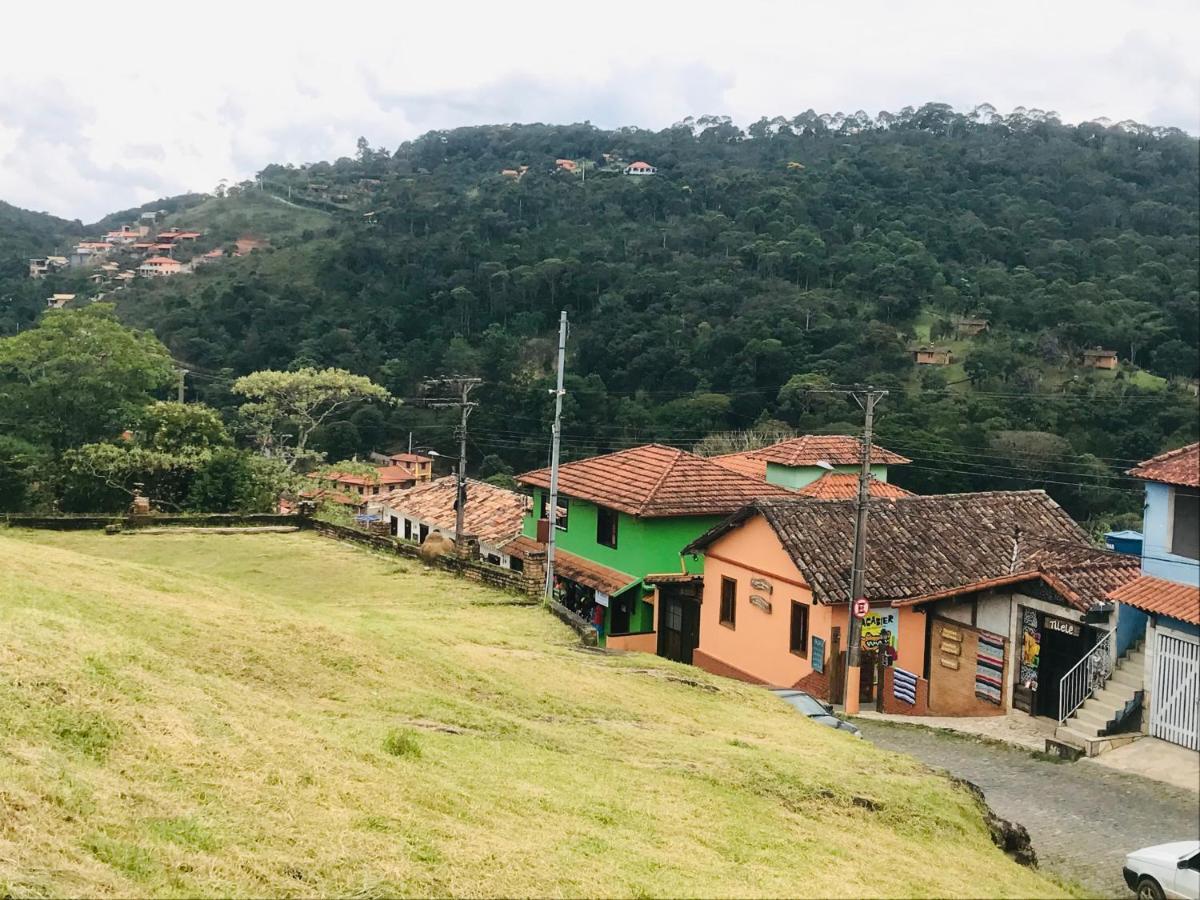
1094	727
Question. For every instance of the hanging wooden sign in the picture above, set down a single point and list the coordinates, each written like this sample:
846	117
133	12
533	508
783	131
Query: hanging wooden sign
1062	626
761	602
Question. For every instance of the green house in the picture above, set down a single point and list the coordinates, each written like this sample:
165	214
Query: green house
625	516
802	461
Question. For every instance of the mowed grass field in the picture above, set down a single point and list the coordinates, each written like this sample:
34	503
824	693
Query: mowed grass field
283	715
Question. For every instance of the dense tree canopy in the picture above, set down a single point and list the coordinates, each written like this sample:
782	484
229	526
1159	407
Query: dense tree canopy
714	296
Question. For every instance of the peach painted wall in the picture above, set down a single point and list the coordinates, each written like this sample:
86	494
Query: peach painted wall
643	643
758	645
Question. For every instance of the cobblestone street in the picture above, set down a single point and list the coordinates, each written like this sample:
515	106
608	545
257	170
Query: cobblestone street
1082	818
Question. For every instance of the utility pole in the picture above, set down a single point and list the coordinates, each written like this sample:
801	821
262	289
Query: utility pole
182	375
555	434
867	400
464	386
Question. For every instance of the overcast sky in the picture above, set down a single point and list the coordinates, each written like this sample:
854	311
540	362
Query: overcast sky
104	106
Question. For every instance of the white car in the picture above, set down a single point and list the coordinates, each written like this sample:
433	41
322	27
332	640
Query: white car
1167	870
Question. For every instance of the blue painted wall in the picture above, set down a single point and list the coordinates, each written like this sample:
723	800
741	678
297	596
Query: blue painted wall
1157	558
1131	627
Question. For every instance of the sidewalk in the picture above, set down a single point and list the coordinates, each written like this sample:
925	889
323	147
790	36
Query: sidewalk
1014	728
1155	759
1148	757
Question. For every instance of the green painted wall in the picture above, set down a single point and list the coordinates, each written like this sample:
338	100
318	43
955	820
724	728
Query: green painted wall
800	476
644	546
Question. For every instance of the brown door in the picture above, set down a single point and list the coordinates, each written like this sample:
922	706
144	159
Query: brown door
868	666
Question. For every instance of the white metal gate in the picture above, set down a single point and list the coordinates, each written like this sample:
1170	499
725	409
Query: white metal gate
1175	703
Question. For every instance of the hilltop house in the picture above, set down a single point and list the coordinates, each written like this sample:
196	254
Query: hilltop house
969	327
622	519
957	584
1162	606
930	355
640	168
58	301
160	266
1099	359
492	515
566	165
800	462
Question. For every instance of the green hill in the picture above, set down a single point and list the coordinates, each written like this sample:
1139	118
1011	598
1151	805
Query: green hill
280	715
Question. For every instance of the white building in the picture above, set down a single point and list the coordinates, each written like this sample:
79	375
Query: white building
640	168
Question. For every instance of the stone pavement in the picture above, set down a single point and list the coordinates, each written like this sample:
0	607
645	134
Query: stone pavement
1155	759
1082	818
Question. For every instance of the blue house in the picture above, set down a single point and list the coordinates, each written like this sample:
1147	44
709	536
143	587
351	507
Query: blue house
1163	604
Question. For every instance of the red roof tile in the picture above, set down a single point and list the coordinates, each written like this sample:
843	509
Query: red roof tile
655	481
844	486
1180	466
384	475
919	548
812	449
1157	595
574	568
492	514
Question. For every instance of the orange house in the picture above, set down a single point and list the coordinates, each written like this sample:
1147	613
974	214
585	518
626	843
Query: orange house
1100	359
774	604
932	356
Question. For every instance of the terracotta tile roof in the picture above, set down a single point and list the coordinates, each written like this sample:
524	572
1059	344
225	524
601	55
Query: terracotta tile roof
384	475
844	486
811	449
1157	595
575	568
752	466
409	457
492	514
1180	466
917	546
161	261
654	481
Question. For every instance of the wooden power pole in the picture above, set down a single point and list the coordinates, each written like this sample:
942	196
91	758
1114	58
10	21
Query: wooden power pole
555	434
867	399
463	386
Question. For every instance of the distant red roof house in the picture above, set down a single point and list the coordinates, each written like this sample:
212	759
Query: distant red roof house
654	481
1180	467
384	478
160	265
640	168
493	515
567	165
844	486
246	244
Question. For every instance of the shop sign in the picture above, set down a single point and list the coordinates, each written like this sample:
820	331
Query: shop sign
818	654
881	629
761	602
1062	626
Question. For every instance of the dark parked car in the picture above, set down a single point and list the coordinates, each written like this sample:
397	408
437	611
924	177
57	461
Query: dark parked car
810	706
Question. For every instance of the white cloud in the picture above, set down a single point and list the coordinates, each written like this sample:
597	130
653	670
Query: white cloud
103	111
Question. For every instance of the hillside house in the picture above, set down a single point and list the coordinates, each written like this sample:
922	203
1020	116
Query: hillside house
491	515
640	168
160	267
382	480
566	165
1160	610
38	267
418	464
58	301
970	327
952	580
800	461
245	245
622	519
932	356
1099	359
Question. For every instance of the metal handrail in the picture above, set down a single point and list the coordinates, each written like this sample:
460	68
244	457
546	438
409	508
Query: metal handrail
1086	677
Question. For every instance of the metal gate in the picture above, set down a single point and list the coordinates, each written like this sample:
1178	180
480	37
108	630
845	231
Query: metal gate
1175	703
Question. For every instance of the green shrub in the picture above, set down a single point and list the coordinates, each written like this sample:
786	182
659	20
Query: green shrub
401	742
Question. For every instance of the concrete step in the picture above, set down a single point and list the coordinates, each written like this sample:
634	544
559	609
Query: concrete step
1073	736
1126	677
1131	666
1114	695
1135	657
1095	717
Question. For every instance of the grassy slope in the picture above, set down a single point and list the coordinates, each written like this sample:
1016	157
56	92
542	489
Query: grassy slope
208	715
252	212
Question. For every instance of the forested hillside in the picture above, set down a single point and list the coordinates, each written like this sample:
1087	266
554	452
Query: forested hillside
753	268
